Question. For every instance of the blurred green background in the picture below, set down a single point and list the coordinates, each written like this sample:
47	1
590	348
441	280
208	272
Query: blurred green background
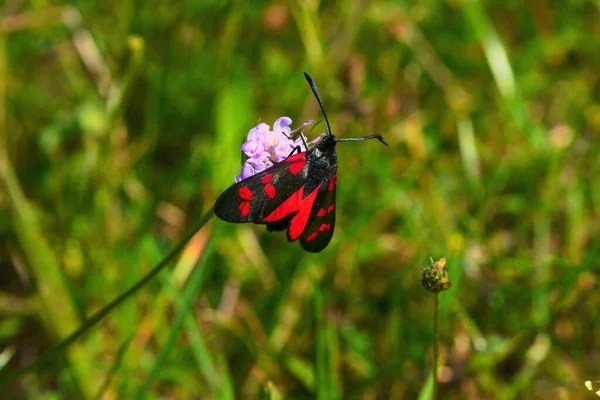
121	121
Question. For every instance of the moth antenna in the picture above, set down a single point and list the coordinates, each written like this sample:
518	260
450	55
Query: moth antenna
357	139
316	93
315	126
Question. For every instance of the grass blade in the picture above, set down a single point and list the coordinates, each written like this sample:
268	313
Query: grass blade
115	367
189	294
197	345
326	352
52	353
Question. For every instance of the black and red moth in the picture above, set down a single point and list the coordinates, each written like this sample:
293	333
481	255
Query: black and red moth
297	194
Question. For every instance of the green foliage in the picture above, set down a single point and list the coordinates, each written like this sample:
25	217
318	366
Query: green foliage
120	123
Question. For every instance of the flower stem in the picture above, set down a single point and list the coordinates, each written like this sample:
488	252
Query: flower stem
435	279
436	340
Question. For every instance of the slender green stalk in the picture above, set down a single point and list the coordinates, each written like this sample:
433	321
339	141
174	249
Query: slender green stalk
436	343
435	279
52	353
184	305
115	367
56	309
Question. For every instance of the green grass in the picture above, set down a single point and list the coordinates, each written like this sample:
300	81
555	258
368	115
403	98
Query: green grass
120	124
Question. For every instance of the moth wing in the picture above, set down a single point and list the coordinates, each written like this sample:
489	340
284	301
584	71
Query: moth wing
257	197
319	230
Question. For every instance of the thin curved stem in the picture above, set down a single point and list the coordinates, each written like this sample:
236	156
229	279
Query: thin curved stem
49	355
436	340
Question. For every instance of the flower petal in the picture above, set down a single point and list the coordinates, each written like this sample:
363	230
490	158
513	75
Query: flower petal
253	147
318	138
282	125
272	139
283	149
247	172
257	164
258	131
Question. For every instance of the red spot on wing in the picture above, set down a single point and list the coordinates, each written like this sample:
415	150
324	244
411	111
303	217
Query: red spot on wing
294	204
312	236
267	178
324	227
289	206
330	208
245	193
332	183
299	221
271	191
297	166
244	208
321	212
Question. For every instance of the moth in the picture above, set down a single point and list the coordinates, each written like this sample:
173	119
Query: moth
296	194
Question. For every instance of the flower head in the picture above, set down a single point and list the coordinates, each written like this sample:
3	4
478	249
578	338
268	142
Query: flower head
264	146
435	277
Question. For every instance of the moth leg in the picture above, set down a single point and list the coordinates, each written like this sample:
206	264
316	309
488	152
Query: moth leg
304	141
295	149
301	137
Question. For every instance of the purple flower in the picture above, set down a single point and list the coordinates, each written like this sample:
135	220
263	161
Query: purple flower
265	146
252	166
282	125
258	131
253	148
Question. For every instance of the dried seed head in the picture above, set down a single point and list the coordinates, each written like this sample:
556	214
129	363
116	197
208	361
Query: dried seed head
435	277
